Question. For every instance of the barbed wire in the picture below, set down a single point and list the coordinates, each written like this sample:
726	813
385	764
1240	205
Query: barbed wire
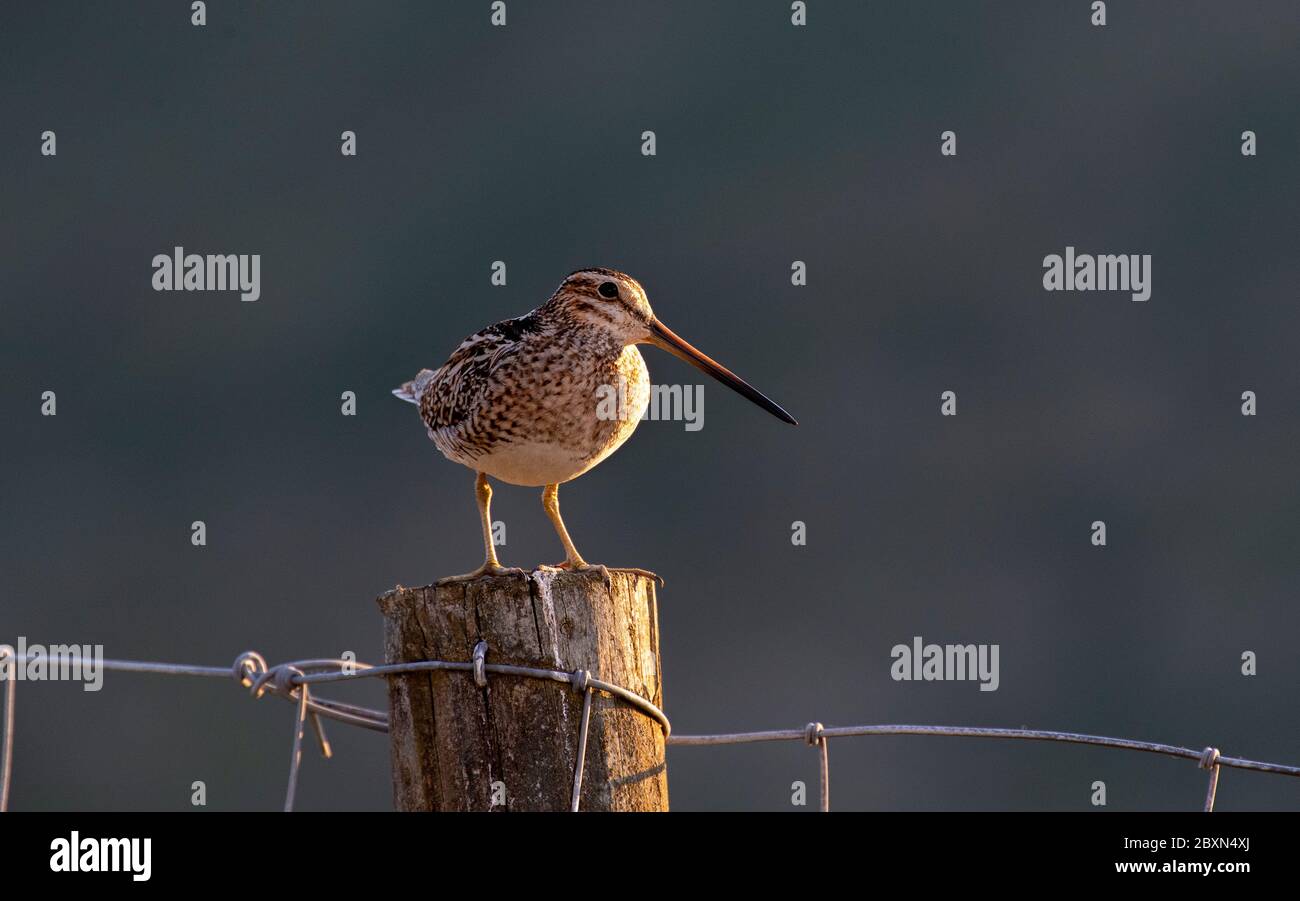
293	681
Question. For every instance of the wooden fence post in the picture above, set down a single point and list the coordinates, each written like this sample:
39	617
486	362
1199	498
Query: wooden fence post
512	745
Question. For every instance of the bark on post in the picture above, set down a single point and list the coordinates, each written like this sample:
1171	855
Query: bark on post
456	746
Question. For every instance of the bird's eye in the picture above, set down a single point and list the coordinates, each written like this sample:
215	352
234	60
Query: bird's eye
608	289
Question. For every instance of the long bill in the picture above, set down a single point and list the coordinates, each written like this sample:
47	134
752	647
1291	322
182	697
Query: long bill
664	337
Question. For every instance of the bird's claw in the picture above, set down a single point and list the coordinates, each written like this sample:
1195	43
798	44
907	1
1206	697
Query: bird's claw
579	566
487	569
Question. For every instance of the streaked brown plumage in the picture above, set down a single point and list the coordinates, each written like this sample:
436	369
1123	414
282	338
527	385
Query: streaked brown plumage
520	400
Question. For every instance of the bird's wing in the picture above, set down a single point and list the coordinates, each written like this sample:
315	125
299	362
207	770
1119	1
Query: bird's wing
453	394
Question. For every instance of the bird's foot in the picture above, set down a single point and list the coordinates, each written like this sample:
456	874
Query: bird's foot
578	566
489	568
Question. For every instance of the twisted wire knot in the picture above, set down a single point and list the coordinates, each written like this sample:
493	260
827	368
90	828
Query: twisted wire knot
580	680
812	734
278	679
1209	758
480	664
284	675
247	666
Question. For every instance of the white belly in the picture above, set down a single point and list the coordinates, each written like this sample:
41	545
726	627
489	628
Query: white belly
535	463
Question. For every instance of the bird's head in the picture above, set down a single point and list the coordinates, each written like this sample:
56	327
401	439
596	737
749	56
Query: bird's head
615	304
606	300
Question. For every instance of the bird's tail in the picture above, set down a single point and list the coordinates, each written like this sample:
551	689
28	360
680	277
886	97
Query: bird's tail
410	391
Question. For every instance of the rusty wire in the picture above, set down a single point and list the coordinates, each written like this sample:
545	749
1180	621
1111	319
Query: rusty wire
293	680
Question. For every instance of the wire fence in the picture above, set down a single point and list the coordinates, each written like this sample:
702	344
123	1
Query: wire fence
294	681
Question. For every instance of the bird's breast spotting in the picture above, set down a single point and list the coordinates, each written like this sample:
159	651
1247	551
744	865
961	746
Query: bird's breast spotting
543	412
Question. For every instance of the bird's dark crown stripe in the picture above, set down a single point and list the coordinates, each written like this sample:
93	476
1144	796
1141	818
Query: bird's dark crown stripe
607	273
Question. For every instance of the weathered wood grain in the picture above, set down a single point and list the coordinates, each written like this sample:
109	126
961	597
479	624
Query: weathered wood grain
452	740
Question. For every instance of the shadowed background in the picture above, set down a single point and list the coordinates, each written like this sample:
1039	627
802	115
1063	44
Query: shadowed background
775	144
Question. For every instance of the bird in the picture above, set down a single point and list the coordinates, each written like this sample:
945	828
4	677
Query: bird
520	401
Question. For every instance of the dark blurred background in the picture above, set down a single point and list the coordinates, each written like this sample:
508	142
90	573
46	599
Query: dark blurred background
775	144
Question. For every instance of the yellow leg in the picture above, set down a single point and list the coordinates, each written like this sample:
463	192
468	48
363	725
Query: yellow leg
483	494
551	502
491	565
572	559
